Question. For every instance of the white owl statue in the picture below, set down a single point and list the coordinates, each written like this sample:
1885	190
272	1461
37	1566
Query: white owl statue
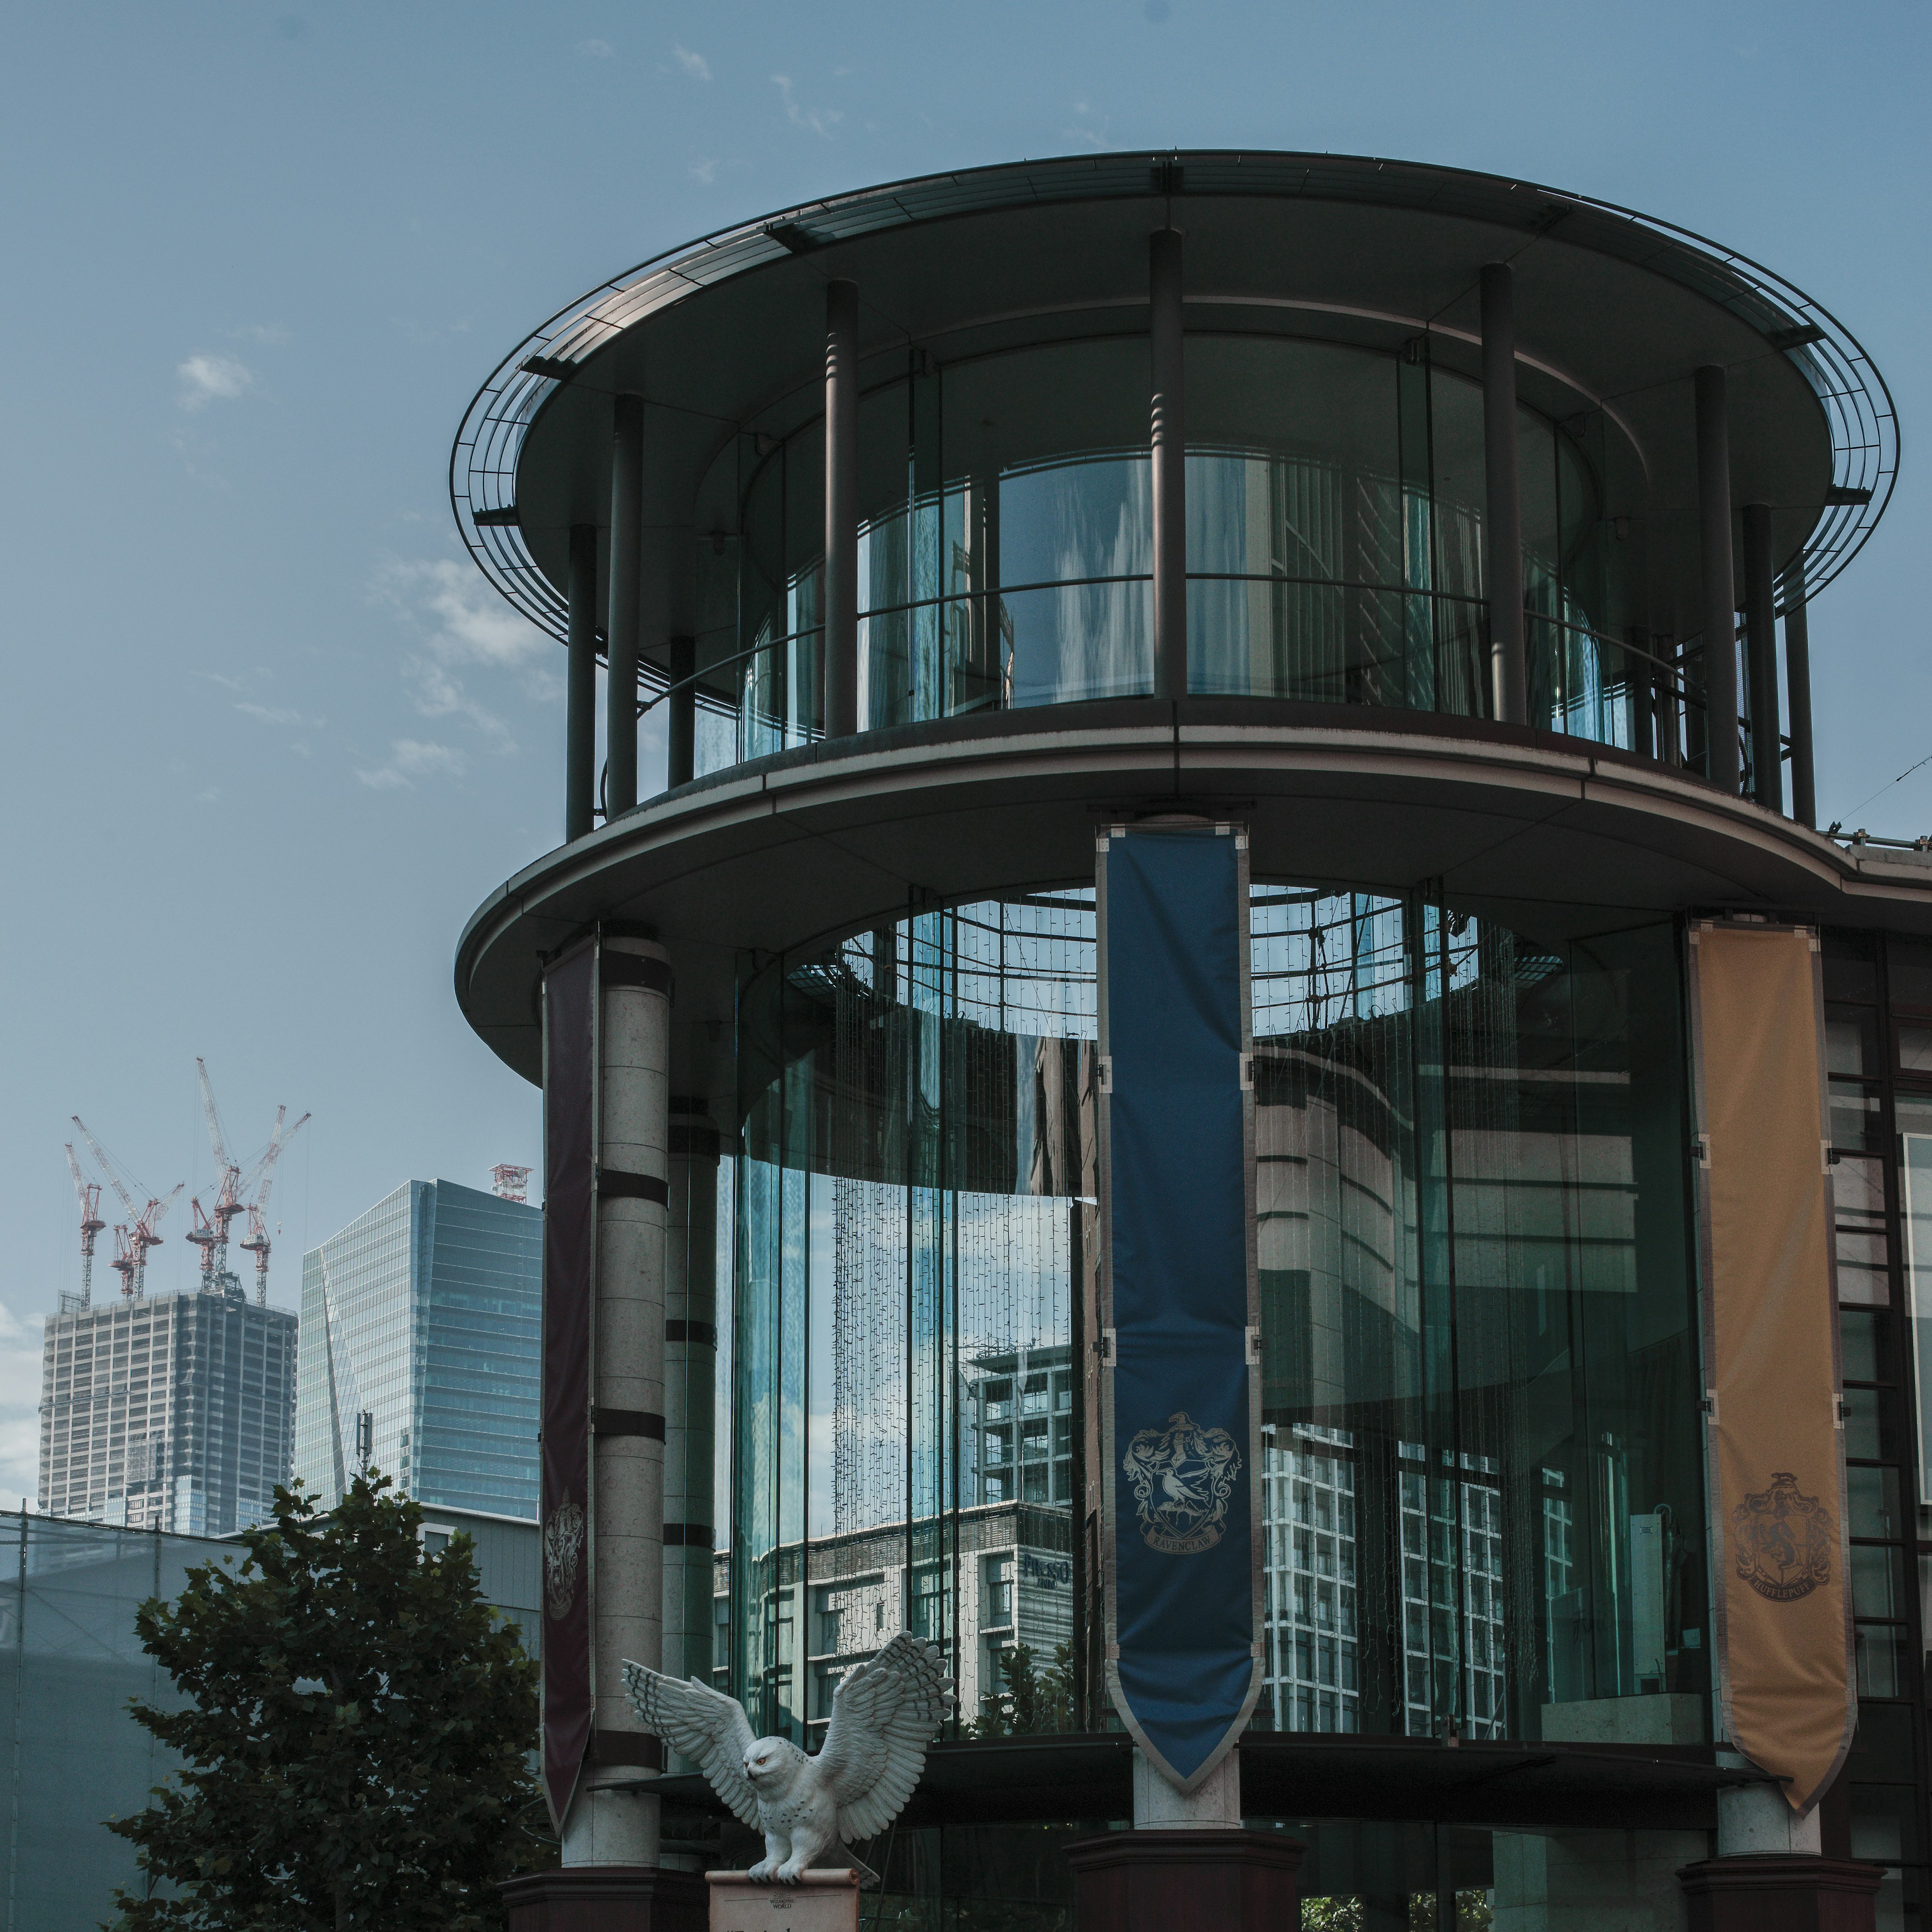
884	1715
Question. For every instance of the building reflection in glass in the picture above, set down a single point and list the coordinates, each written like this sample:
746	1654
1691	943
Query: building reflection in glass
1480	1468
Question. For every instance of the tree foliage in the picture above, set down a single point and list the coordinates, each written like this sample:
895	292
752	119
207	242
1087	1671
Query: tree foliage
1030	1701
354	1738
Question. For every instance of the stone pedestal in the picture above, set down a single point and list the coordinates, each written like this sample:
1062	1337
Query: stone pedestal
1184	1881
606	1898
1776	1893
821	1901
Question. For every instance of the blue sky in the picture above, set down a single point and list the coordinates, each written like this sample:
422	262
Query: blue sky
267	740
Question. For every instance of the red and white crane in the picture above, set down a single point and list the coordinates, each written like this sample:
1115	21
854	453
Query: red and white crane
257	1242
210	1231
87	1192
133	1239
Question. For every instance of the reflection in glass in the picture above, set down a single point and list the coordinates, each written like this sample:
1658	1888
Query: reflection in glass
1479	1475
1915	1214
1335	506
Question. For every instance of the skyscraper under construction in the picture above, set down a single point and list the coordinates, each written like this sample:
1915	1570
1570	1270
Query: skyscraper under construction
173	1412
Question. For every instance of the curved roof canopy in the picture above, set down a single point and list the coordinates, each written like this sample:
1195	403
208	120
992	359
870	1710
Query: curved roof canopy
1614	311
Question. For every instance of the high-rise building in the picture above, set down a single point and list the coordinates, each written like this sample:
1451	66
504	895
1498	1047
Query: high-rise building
174	1412
419	1326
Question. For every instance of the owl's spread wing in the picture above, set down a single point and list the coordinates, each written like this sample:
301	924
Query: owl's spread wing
709	1728
884	1716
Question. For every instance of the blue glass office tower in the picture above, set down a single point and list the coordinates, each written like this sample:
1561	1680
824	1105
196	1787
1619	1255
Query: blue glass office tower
419	1326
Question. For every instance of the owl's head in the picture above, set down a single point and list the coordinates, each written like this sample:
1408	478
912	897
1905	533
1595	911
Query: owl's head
770	1762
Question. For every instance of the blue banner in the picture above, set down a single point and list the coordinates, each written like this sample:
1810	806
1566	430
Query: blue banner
1183	1663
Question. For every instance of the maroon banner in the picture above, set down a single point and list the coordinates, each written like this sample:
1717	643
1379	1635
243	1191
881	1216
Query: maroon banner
570	1229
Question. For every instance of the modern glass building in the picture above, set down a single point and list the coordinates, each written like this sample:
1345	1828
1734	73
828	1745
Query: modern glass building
1456	537
419	1325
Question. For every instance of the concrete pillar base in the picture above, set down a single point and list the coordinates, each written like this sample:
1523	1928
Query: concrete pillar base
1185	1881
607	1898
1774	1893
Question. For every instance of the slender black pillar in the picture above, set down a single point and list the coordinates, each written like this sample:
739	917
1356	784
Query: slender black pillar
1167	413
1640	681
841	509
580	729
681	753
1761	645
627	495
1502	521
1798	686
1720	611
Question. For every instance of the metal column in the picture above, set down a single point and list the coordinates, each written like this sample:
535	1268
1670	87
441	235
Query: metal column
612	1822
1798	690
681	702
1719	608
627	493
1502	517
841	509
1761	647
580	729
1168	416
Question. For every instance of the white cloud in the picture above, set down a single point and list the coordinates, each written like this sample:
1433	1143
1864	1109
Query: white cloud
459	622
20	1342
268	334
468	622
706	171
696	65
216	378
410	759
271	714
818	120
596	49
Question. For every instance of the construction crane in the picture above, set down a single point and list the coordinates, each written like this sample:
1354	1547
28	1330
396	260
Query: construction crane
510	1183
133	1240
210	1231
257	1242
87	1192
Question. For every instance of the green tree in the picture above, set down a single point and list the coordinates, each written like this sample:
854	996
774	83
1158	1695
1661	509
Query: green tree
1030	1702
354	1740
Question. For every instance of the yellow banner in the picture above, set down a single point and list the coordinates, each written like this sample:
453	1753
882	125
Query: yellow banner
1783	1614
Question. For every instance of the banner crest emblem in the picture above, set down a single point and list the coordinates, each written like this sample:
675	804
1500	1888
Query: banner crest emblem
1183	1476
1783	1541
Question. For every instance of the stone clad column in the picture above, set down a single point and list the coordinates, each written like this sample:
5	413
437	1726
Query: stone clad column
691	1353
609	1824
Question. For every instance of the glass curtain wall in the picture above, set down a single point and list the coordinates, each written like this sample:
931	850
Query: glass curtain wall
1335	495
1481	1483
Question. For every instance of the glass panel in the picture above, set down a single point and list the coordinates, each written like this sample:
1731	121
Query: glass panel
1864	1246
1878	1581
1884	1825
1479	1359
1851	1041
1915	1207
1864	1342
1335	500
1881	1651
1870	1435
1875	1511
1851	966
1882	1750
1855	1116
1910	960
1914	1048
